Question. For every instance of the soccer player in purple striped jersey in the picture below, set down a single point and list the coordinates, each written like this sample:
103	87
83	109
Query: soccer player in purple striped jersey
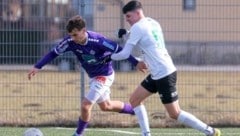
93	51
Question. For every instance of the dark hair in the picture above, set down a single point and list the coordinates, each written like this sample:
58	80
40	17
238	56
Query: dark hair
75	22
132	5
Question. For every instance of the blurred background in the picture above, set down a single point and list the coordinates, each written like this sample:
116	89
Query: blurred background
201	36
196	33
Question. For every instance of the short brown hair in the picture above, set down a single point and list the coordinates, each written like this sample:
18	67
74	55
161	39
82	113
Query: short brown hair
75	22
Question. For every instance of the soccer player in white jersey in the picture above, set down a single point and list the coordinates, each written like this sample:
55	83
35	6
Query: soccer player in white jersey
146	34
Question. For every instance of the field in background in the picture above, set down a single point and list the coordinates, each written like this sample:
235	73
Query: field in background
50	131
53	98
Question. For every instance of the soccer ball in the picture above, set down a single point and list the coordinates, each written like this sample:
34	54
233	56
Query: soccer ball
33	132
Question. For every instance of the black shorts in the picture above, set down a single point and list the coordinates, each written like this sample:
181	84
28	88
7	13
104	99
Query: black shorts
166	87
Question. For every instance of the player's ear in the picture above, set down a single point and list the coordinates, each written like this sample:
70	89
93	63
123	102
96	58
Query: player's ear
84	29
138	12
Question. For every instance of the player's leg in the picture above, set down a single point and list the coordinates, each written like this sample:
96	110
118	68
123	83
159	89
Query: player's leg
136	99
86	108
188	119
169	97
106	104
93	95
116	106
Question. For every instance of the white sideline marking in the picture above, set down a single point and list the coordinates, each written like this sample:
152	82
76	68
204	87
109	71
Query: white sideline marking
135	133
116	131
106	130
127	132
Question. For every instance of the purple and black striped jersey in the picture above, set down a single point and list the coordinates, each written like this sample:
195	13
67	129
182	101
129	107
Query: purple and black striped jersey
90	55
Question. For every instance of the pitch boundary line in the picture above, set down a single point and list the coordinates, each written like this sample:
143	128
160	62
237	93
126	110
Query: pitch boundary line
126	132
106	130
115	131
133	133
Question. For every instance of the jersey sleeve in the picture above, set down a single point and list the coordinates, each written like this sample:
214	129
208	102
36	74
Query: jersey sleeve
135	35
62	47
109	45
125	53
113	47
46	59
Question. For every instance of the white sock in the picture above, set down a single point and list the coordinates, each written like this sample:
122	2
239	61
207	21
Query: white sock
142	117
191	121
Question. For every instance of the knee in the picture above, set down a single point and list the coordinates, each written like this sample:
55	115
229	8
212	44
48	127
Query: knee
85	106
105	107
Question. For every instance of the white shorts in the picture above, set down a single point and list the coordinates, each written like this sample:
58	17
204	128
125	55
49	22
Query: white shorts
100	88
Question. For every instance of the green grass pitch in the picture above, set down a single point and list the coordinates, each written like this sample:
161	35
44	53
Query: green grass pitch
52	131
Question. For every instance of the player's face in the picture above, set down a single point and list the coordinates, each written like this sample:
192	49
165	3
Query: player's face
78	36
132	17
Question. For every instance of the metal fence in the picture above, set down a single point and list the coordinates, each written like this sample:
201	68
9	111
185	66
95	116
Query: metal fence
203	40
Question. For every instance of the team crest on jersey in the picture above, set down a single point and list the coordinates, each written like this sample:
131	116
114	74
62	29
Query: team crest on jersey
92	52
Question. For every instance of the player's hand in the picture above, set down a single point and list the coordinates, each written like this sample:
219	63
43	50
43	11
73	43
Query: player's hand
32	72
141	66
121	32
106	59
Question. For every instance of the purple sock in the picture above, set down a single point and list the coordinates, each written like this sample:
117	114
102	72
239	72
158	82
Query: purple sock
81	126
127	108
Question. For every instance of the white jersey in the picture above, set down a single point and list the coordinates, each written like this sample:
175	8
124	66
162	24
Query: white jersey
148	36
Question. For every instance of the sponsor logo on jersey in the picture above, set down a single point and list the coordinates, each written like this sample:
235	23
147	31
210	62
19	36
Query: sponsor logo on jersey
90	59
108	45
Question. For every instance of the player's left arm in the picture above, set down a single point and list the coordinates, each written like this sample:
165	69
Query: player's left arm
113	47
123	53
134	36
131	40
119	53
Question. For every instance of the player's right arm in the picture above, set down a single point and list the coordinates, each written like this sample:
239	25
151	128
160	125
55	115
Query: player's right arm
58	50
46	59
32	72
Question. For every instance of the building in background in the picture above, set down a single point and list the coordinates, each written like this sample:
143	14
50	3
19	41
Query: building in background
214	20
194	30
